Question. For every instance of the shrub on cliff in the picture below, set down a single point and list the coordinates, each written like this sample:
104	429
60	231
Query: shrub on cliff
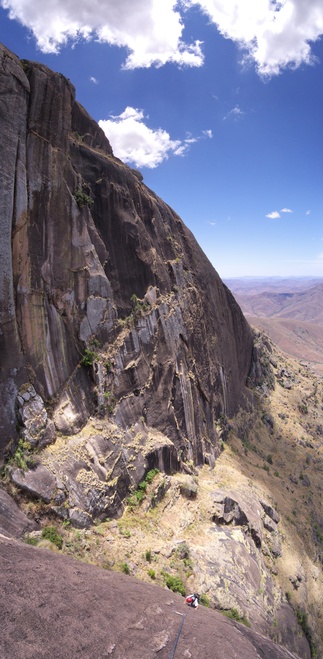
88	357
82	199
174	583
51	533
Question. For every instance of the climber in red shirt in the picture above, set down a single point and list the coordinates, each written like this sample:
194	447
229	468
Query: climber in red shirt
193	600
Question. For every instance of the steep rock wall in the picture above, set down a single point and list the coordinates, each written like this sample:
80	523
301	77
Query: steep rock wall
92	258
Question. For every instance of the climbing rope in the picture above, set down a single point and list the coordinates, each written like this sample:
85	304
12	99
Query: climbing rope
177	637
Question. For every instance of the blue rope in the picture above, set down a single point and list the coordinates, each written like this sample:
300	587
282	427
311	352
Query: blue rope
177	637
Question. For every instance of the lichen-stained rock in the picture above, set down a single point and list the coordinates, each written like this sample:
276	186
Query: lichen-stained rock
88	476
230	568
38	430
94	261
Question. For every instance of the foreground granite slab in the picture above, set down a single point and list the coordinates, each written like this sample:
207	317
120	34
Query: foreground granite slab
52	606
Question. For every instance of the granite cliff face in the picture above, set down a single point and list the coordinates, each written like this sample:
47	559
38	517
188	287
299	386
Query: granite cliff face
95	264
121	351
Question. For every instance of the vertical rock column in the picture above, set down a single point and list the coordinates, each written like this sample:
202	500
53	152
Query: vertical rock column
14	96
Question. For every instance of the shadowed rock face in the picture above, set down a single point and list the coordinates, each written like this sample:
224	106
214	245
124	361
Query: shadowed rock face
82	237
64	608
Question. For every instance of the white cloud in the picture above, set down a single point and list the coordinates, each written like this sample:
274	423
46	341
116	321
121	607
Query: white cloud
273	215
235	113
134	142
94	80
206	134
270	33
151	30
273	34
190	139
286	210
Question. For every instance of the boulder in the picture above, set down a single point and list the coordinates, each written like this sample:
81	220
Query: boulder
13	522
270	511
188	486
239	509
38	482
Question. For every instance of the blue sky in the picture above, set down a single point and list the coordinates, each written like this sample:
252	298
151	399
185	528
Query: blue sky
219	103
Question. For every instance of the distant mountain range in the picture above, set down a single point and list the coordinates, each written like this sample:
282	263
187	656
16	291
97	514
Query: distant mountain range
289	310
301	299
259	284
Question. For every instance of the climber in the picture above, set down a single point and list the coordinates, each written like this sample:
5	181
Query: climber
193	600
